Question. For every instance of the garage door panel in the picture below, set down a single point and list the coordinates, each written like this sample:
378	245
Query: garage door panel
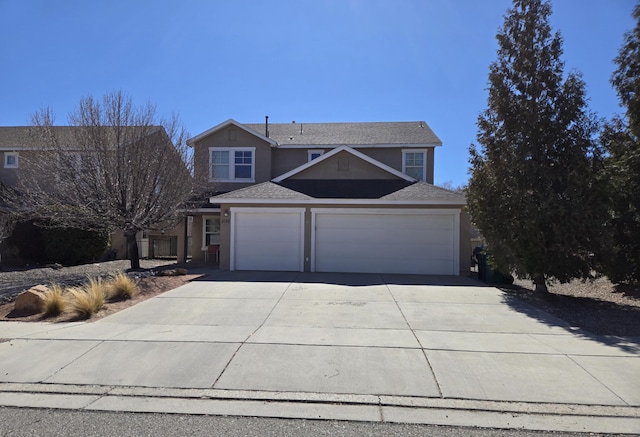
267	241
385	243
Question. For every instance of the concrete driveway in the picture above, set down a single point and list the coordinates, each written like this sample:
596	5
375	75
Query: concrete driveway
358	347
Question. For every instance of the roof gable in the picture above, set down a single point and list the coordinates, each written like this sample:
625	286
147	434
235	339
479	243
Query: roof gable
225	124
347	149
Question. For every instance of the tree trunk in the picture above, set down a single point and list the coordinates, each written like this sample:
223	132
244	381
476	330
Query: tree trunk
541	284
132	250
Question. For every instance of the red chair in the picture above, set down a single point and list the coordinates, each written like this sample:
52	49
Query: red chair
212	250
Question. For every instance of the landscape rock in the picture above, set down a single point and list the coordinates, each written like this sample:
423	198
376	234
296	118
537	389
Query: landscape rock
55	266
31	301
172	272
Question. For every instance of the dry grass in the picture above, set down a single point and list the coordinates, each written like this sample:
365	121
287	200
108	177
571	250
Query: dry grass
54	301
88	300
122	287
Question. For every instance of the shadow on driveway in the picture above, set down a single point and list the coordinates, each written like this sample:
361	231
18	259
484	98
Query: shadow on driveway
347	279
606	322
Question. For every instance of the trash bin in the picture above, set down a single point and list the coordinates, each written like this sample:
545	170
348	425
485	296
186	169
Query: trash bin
486	273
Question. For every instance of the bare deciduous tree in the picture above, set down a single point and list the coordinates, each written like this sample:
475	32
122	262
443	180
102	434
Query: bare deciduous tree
115	166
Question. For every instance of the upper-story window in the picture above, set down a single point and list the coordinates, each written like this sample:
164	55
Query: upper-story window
414	164
11	160
313	154
232	164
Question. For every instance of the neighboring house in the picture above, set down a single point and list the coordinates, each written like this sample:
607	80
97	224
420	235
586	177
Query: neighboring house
327	197
18	144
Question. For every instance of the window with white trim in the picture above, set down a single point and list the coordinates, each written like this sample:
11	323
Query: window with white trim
11	159
313	154
414	164
210	231
232	164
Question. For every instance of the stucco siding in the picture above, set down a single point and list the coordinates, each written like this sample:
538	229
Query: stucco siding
231	137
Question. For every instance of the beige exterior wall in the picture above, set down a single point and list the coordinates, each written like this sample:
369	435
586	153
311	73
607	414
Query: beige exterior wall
285	160
344	166
231	136
10	176
465	238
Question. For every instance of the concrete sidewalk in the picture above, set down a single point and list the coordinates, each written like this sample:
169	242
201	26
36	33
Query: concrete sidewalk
437	350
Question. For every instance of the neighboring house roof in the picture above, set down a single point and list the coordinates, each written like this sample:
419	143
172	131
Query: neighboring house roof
348	149
332	134
29	137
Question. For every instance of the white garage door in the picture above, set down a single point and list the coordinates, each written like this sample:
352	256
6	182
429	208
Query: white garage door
379	241
267	239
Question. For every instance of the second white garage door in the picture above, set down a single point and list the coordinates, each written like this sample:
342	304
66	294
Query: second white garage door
267	239
379	241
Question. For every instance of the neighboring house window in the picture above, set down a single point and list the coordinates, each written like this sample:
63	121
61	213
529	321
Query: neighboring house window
414	164
11	160
211	234
313	154
232	165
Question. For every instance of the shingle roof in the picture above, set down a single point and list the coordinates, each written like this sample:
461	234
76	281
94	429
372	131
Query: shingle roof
265	190
425	191
418	192
25	137
410	132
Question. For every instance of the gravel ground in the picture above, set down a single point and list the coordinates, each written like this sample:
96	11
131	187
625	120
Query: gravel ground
14	282
599	307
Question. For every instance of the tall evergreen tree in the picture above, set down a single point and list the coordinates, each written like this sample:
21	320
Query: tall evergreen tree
532	191
622	139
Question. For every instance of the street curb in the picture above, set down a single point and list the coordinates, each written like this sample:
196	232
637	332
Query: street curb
328	406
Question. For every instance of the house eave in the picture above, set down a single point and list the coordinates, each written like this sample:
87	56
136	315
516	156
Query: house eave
358	146
232	201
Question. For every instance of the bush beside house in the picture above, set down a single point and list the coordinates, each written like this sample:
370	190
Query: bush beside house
32	244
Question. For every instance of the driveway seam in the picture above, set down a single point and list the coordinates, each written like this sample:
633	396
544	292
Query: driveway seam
597	379
99	342
422	349
252	333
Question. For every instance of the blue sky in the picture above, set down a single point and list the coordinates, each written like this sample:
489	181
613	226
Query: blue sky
303	60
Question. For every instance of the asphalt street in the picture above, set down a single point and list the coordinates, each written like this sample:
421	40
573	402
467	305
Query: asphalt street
64	423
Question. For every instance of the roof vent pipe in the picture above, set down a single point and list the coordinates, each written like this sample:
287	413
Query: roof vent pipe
266	126
300	128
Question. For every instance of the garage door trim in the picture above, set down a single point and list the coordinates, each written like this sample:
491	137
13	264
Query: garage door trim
454	212
257	210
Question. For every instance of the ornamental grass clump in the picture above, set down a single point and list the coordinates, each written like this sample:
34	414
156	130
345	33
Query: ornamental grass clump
54	301
122	287
87	300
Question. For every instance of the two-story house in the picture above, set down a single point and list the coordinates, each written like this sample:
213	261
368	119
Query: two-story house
327	197
22	146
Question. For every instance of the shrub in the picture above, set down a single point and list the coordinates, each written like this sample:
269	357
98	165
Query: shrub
122	287
31	243
88	300
54	302
71	246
